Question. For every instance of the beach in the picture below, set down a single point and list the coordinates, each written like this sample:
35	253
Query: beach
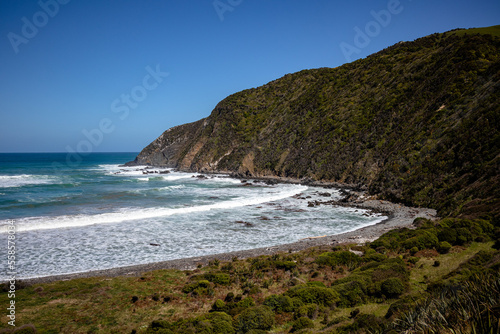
399	216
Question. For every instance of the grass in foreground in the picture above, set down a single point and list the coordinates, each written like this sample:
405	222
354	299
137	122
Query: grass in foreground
321	290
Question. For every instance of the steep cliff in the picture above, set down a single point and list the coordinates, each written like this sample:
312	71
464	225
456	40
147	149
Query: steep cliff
416	123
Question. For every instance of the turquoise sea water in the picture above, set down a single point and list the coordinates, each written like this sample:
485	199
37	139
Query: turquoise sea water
73	216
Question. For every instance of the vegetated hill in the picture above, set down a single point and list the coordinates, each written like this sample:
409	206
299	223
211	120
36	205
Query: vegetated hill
416	123
493	30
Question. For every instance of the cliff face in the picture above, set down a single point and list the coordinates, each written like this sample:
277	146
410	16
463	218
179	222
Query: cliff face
416	123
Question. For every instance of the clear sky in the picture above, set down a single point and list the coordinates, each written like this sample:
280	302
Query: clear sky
111	76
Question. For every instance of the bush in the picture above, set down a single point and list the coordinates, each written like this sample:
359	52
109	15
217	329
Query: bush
395	267
464	236
392	287
218	278
344	258
218	306
202	287
286	265
310	311
232	308
256	331
424	239
316	283
444	247
302	323
258	317
351	293
314	295
279	303
449	235
246	302
218	322
375	257
211	323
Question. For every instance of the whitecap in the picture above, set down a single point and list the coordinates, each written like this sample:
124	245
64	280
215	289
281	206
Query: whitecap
12	181
42	223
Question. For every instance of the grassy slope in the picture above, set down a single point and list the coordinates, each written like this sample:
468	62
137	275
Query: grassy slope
493	30
104	305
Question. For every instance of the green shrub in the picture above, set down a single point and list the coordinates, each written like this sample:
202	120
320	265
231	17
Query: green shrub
424	239
192	286
211	323
246	302
279	303
256	331
232	308
218	306
302	323
444	247
310	310
392	287
364	323
217	278
313	295
449	235
258	317
413	259
218	323
394	267
464	236
377	257
286	265
199	288
316	283
344	258
351	293
414	250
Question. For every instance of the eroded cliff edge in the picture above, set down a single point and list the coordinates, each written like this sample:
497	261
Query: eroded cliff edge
416	123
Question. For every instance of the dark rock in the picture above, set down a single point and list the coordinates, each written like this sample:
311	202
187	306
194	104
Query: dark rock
244	223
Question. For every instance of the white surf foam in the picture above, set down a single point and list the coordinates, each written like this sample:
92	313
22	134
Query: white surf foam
129	170
42	223
179	176
12	181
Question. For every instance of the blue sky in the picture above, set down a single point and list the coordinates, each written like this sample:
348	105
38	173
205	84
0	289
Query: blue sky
92	75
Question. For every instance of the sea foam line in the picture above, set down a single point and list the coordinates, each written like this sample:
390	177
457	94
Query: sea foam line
44	223
12	181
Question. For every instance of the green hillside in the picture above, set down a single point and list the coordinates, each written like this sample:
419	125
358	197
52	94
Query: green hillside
493	30
416	123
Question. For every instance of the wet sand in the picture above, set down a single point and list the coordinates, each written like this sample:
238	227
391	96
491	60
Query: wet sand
399	216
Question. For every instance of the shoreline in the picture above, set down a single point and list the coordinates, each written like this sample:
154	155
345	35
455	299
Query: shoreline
399	216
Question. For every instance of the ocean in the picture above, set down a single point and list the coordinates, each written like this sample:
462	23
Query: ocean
79	215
